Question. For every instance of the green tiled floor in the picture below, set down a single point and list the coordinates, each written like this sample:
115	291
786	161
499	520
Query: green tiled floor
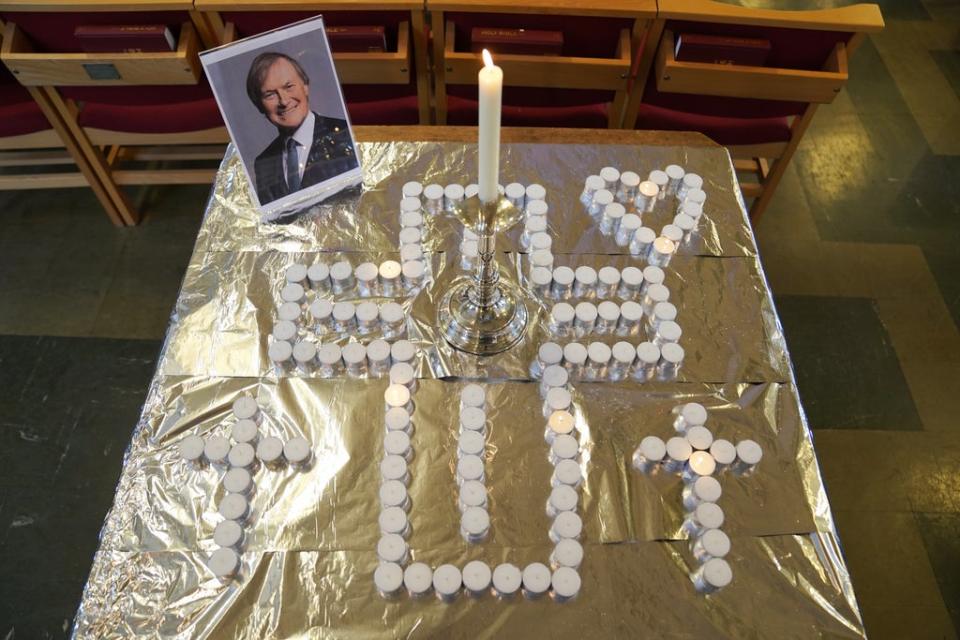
949	63
940	532
861	249
67	271
848	374
67	411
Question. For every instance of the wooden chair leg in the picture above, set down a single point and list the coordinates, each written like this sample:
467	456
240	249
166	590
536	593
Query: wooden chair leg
94	157
615	116
774	173
113	200
422	60
646	48
438	33
768	184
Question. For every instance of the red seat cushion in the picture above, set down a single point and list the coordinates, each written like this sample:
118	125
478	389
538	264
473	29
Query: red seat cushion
403	110
19	114
720	106
177	117
141	95
723	130
461	111
537	96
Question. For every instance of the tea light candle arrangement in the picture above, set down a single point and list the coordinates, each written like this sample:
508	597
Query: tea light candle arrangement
562	436
309	311
395	503
659	356
330	360
240	460
394	573
305	321
564	283
600	362
619	208
416	204
608	317
531	200
340	317
697	457
471	478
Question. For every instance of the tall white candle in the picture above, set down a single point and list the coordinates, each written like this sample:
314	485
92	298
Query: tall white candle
490	81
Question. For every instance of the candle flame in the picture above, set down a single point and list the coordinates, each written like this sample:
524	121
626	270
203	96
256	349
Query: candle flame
487	59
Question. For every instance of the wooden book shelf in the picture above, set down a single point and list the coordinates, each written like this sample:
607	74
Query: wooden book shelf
738	81
32	68
562	72
387	67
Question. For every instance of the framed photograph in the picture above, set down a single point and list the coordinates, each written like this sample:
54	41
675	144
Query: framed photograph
281	100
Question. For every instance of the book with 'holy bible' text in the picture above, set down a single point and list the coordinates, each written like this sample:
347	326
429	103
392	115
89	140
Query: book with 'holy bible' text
516	41
693	47
125	38
357	39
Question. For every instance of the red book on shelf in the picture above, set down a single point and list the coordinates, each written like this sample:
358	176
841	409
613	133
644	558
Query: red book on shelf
517	41
357	39
125	38
751	52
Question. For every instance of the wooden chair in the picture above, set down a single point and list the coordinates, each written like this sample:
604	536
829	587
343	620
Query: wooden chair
585	86
759	113
391	87
36	151
126	112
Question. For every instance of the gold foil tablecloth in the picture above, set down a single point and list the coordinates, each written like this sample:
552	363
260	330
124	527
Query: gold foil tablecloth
310	551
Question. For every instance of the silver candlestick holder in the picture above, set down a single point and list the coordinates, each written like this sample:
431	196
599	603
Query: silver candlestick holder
483	315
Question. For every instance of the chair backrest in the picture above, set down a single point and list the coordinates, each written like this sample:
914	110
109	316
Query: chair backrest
53	32
599	41
807	61
591	67
40	49
21	116
364	76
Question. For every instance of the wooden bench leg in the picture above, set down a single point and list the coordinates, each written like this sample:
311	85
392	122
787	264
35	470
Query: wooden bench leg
88	158
438	32
772	178
421	59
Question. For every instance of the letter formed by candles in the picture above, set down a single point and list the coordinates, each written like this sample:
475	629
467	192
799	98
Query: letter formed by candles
394	573
239	460
490	81
696	456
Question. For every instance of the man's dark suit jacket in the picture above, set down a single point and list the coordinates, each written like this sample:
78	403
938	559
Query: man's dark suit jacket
330	155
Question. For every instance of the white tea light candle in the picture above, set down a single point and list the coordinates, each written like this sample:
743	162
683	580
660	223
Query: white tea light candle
566	526
270	451
476	577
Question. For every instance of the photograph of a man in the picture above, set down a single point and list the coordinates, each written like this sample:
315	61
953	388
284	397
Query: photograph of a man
283	105
309	148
